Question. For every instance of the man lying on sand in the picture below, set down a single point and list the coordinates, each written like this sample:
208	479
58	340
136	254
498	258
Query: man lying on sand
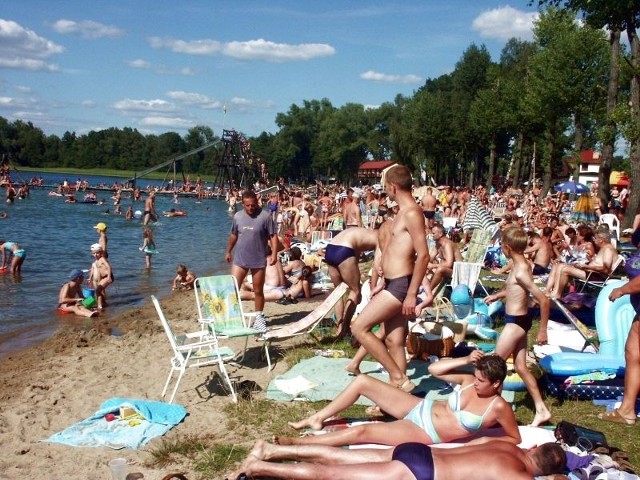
407	461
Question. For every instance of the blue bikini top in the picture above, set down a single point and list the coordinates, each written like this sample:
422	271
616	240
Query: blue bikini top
471	422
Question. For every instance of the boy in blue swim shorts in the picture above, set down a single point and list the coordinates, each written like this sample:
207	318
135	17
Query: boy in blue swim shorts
515	295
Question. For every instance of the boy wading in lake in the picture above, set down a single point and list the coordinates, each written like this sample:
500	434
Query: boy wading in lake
515	295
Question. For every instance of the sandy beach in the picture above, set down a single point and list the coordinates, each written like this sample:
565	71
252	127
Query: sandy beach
50	387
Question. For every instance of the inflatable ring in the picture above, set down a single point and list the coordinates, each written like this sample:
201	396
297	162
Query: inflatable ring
513	381
63	312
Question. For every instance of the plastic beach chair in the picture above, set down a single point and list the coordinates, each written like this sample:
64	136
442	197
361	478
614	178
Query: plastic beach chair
220	310
194	350
468	272
309	322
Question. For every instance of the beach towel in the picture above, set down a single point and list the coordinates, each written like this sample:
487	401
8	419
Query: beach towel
150	419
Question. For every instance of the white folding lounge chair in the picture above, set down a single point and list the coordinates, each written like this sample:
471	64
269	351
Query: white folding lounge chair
309	322
468	272
601	282
194	350
220	310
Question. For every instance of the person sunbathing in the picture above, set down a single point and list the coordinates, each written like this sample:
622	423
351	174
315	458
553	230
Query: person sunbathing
494	459
474	405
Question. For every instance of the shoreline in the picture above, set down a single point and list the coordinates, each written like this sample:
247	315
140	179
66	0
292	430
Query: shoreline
63	380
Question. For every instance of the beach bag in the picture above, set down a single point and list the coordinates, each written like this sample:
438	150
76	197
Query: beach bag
584	438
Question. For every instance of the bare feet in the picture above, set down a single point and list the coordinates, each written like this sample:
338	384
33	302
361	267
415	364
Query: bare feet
284	440
540	418
312	422
352	370
259	452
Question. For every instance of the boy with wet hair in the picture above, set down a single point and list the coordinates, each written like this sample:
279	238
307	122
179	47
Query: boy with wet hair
184	278
515	295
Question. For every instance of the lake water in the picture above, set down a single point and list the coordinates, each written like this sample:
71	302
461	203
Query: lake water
57	237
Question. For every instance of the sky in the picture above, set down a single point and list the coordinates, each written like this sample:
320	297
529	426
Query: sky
160	66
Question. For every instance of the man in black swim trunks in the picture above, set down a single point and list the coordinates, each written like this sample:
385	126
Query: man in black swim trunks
342	256
408	461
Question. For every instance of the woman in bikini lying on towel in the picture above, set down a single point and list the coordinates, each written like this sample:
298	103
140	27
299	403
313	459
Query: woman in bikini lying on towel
474	405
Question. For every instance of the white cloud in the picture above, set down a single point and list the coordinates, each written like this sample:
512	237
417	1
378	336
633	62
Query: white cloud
159	69
505	23
277	52
86	29
23	49
249	50
129	106
16	102
169	122
194	47
88	103
138	63
23	89
198	99
386	78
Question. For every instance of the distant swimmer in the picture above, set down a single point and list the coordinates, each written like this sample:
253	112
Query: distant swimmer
71	299
175	213
4	214
13	256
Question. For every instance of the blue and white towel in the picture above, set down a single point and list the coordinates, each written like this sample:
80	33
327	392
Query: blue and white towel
157	418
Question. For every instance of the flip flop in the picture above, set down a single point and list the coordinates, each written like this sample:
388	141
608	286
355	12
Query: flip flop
406	385
615	417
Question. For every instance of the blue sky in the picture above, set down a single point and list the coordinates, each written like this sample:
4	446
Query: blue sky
161	66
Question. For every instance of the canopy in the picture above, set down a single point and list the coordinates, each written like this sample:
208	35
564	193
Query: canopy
571	187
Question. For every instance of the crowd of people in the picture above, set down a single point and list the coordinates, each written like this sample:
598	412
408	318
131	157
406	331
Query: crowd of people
414	255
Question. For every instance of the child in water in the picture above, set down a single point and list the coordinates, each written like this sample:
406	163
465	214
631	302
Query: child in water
148	246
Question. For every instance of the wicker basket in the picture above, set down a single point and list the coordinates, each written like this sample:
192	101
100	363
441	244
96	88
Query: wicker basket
420	347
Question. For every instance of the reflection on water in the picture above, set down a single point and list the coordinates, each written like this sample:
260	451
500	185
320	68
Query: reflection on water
57	236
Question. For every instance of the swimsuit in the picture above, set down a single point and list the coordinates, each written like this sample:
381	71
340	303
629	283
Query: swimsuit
523	321
539	270
421	414
429	214
417	457
398	287
20	253
336	254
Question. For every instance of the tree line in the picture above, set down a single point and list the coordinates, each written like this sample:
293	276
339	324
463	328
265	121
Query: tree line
574	87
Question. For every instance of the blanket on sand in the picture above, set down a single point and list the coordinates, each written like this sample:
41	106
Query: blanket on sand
108	428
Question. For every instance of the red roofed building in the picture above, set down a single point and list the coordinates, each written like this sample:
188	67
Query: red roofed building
373	170
590	162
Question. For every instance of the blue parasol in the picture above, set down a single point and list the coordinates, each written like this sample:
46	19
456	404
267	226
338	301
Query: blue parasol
571	187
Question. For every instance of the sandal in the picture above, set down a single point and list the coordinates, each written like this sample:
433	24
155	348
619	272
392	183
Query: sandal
615	417
406	385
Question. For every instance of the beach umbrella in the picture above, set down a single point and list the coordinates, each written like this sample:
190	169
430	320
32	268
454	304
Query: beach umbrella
584	210
571	187
477	216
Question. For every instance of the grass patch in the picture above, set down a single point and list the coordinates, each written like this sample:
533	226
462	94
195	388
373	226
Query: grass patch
197	454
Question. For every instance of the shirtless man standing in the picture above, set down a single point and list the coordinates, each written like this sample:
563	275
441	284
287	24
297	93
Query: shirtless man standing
404	264
150	213
407	461
342	256
71	297
448	253
100	275
429	203
351	211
